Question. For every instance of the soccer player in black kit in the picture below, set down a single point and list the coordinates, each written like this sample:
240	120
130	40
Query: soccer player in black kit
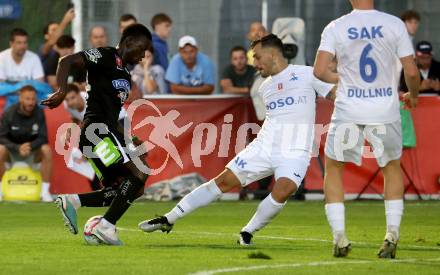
102	141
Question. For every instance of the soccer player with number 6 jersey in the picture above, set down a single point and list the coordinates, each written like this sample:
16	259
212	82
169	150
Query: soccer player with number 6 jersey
283	145
366	43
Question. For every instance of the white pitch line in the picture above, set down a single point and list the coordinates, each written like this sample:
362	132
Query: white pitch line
279	238
310	264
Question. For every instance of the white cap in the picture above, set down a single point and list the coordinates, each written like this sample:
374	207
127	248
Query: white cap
184	40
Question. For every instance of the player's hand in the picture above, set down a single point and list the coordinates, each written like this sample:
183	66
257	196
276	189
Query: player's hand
25	149
410	101
54	100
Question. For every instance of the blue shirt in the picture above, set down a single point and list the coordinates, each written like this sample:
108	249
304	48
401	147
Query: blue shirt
160	52
202	73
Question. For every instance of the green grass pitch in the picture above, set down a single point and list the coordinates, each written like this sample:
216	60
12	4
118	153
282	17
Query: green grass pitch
33	240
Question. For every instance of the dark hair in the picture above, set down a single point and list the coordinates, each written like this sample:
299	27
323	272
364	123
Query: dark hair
135	31
237	49
27	88
72	88
270	40
127	17
160	18
17	32
46	28
65	42
410	14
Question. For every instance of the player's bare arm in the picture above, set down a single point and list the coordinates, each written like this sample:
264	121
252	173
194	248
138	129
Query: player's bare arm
412	79
322	69
63	70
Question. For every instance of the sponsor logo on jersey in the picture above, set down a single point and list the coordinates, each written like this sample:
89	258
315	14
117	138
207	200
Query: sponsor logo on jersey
123	86
280	86
240	162
293	77
93	55
286	101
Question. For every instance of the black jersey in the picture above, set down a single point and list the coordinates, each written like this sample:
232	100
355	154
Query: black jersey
108	85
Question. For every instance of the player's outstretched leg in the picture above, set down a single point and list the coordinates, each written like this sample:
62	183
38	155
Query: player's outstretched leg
393	208
268	209
334	207
199	197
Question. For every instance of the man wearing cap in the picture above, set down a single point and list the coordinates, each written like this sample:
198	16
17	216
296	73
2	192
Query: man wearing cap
190	71
429	70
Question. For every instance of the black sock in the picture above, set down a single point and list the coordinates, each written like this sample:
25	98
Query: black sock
127	193
99	198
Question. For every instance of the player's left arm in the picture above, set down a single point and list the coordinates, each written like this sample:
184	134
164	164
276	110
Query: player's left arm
322	68
64	67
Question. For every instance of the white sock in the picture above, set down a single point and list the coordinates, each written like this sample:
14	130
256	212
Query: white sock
201	196
45	187
106	224
336	218
74	199
266	211
393	213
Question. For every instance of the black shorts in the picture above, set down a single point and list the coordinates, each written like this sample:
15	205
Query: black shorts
106	152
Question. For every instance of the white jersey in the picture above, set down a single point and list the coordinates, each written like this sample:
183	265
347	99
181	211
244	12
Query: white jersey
29	68
79	115
366	44
290	99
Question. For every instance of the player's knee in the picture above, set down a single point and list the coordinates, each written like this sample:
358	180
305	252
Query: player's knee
283	189
227	181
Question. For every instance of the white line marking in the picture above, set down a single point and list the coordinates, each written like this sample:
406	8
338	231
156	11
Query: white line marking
311	264
278	238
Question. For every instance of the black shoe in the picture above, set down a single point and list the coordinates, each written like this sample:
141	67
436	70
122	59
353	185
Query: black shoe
159	223
245	238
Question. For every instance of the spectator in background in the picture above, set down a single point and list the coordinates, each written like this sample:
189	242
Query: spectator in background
18	63
190	71
52	31
65	45
98	37
126	20
161	24
149	78
23	137
256	31
238	77
411	18
429	70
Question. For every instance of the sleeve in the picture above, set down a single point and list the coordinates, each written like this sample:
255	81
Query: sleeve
42	132
322	88
404	45
209	73
4	131
172	75
328	39
96	57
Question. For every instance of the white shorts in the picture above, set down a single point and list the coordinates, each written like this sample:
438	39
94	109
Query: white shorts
345	142
253	163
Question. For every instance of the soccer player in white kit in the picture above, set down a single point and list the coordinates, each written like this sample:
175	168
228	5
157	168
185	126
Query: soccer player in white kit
366	43
282	147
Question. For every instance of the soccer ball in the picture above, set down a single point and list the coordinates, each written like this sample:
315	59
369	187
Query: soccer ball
89	237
